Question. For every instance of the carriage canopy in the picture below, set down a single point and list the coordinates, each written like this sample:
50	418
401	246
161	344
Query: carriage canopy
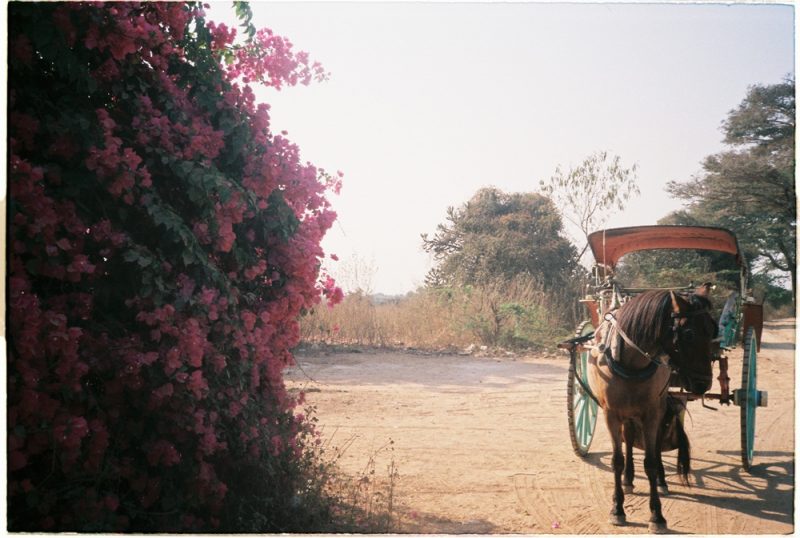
608	246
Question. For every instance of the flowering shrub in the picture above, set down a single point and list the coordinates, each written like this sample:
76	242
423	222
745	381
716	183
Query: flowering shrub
162	244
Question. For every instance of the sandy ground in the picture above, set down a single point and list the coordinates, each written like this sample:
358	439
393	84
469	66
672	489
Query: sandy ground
482	446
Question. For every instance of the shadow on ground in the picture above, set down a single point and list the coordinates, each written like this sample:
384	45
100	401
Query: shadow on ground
412	522
771	484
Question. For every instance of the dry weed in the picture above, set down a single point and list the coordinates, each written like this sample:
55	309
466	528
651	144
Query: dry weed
511	314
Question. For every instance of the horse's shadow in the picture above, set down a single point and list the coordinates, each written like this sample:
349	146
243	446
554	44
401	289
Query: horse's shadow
771	484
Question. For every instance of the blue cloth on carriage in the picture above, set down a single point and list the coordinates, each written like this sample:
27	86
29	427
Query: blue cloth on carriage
728	311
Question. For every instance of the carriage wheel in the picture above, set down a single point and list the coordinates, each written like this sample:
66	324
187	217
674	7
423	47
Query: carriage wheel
749	397
581	408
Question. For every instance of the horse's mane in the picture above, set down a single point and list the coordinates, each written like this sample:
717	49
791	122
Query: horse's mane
644	318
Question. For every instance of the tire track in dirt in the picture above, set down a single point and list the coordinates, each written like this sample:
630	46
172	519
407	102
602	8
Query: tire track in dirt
482	445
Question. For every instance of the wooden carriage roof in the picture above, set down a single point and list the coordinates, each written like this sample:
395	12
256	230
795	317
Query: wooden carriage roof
608	246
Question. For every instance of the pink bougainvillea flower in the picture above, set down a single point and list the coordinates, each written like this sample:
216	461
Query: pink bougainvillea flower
163	243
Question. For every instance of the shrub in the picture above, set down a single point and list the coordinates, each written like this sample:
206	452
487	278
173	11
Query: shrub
162	243
512	313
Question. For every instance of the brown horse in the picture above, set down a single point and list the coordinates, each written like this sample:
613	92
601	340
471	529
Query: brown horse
637	348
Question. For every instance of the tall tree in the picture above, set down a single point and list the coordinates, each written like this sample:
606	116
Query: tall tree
585	194
502	235
750	188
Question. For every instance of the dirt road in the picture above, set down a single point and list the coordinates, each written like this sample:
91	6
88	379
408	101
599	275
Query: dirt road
482	445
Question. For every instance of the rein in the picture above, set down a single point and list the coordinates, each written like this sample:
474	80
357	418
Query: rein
654	360
617	368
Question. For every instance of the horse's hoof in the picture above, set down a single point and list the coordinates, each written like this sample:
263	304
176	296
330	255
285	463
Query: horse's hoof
617	520
663	490
657	528
627	488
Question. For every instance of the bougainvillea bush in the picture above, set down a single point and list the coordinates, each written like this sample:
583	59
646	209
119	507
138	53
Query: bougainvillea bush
162	243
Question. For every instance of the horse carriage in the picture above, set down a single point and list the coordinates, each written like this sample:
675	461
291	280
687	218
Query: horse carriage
644	353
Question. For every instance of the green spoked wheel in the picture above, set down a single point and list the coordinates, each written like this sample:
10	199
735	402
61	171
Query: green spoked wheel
581	408
749	397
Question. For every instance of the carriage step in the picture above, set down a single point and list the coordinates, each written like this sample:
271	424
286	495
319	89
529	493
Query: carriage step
740	397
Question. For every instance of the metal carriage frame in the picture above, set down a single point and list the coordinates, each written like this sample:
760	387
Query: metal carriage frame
743	325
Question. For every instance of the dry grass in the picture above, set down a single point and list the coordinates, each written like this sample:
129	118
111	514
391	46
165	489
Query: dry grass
511	314
418	320
338	502
365	502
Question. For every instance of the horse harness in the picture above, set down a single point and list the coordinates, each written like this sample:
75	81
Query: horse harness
611	347
611	353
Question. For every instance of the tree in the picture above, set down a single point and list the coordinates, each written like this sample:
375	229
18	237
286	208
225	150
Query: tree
501	235
750	188
162	243
585	194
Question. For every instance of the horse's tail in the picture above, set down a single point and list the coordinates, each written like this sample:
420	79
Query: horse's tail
684	464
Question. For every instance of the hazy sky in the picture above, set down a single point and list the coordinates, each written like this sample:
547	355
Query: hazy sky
429	102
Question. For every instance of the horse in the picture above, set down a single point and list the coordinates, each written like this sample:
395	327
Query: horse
694	377
637	346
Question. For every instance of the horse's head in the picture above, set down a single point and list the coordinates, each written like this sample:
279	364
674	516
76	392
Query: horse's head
694	331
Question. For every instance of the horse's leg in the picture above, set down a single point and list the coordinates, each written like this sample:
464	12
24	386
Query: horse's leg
671	427
662	478
629	433
652	443
617	462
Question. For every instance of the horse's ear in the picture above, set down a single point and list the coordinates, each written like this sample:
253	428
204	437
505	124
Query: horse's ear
704	290
676	306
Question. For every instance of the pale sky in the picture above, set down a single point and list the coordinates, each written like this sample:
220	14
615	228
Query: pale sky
429	102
